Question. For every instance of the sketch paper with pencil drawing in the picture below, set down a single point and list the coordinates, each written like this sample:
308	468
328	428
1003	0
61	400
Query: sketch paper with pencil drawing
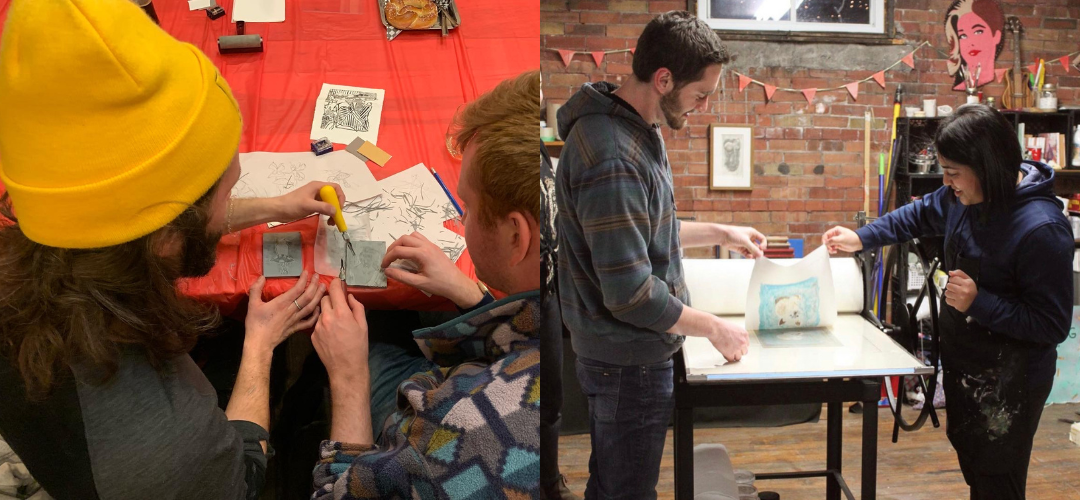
792	305
449	212
410	201
369	206
287	175
344	113
452	244
266	175
416	204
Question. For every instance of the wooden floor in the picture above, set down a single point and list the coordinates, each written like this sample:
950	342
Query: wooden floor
922	465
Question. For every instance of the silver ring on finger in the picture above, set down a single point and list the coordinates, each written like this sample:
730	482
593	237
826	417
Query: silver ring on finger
298	308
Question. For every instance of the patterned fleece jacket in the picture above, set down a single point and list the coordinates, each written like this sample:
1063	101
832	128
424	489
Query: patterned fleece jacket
466	431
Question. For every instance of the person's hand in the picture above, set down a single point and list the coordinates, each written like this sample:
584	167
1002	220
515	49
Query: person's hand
268	323
961	291
341	336
841	239
746	240
730	339
435	273
304	201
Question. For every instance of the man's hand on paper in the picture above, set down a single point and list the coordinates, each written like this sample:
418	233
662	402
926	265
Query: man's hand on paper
304	201
745	240
435	272
961	291
841	239
730	339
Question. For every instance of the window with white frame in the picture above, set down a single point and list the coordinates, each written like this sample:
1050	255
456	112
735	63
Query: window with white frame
813	16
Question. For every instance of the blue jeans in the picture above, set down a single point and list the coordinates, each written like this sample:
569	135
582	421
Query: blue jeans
629	411
389	366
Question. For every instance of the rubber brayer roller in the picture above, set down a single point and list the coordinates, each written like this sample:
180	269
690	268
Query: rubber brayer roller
233	44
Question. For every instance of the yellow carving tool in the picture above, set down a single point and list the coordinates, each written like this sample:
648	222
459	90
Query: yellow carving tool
329	195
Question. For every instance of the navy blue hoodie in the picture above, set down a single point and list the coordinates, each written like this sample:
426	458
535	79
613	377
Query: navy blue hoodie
1025	287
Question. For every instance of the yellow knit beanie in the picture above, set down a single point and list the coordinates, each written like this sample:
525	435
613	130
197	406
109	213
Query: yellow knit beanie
109	127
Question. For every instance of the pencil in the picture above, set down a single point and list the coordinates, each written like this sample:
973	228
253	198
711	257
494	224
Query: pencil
447	191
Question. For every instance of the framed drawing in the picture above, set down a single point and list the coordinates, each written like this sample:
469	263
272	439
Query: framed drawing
836	16
731	157
821	21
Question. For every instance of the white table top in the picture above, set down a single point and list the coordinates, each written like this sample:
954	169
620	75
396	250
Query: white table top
854	347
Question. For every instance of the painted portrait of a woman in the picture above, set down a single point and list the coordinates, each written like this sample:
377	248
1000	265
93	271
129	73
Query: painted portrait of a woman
973	29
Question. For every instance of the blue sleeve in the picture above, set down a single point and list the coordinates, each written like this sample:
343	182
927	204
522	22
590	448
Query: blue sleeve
484	301
925	217
1042	309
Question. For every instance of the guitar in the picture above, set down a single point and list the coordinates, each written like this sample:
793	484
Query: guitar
1017	94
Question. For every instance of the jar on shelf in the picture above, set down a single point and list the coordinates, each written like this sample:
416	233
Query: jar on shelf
972	96
1048	97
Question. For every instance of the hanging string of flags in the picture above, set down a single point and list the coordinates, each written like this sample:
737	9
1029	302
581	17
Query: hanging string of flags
851	87
879	77
1034	68
597	56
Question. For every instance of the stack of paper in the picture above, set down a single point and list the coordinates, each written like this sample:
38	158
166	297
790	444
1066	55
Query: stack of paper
259	11
1074	433
265	175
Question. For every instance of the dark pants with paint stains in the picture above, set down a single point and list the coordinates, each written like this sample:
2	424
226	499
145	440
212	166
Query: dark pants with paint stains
1012	484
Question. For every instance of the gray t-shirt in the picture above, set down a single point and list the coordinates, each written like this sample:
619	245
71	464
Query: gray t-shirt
159	432
143	433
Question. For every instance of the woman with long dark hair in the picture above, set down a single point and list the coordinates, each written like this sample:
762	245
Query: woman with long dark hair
1008	250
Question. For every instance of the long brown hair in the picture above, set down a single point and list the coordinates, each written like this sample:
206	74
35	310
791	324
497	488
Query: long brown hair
63	306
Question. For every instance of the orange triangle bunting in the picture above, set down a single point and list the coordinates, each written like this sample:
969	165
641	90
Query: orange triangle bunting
879	77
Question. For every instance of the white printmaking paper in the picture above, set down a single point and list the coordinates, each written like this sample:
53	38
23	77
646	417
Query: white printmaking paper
264	175
345	113
408	202
259	11
451	243
200	4
412	201
795	296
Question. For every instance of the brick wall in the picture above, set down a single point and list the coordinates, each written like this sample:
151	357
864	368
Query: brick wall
808	158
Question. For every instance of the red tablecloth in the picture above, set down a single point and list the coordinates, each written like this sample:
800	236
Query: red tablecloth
426	78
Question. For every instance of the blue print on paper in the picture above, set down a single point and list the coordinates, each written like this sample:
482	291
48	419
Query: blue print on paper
795	305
